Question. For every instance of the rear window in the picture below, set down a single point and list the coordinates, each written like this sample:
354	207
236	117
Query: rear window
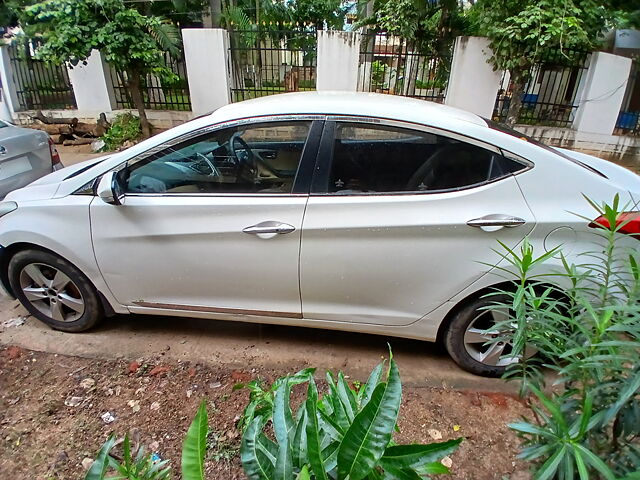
514	133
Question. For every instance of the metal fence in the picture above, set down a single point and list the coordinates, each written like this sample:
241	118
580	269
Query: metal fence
551	93
266	62
157	94
39	85
390	64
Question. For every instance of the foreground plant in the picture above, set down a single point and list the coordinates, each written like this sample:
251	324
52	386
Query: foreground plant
345	433
587	333
124	128
135	463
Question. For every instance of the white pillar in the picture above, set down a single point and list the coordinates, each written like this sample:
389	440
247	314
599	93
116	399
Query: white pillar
338	58
90	85
603	92
206	52
9	99
473	85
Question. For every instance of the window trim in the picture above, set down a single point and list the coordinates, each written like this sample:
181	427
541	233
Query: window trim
301	186
325	155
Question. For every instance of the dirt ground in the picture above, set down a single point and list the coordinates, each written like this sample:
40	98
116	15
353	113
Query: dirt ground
51	409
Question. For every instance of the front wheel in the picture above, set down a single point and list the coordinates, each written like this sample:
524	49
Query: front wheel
54	291
470	338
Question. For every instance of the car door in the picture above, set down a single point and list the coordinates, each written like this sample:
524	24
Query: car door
209	225
400	220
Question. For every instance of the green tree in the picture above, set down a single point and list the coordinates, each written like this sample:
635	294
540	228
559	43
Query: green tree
10	11
68	30
523	32
430	25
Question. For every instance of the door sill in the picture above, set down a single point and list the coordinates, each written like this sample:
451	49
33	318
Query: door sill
205	309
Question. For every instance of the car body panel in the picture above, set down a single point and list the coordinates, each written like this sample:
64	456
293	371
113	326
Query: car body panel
24	157
149	246
39	223
391	259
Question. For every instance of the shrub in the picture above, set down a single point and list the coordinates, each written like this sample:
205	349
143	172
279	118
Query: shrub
125	127
134	465
587	333
345	433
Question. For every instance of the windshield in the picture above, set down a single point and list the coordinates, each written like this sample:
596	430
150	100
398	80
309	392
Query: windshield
3	124
514	133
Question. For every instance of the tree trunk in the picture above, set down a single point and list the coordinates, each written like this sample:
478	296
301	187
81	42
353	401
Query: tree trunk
518	82
138	101
216	12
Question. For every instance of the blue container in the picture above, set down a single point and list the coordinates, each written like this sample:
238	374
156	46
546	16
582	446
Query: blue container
627	120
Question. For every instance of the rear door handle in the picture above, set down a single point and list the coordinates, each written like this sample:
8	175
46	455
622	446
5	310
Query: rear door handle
496	220
269	227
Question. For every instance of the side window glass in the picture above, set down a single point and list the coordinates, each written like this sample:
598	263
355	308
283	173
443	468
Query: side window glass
375	158
257	158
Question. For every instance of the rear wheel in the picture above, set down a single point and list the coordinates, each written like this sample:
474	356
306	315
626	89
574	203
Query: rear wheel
470	338
54	291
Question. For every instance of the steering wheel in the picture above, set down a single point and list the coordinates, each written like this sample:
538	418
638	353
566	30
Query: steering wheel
251	159
214	170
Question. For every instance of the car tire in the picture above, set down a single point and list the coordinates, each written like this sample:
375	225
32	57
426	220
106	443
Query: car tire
474	316
54	291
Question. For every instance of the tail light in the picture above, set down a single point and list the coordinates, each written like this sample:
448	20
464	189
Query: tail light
56	163
626	222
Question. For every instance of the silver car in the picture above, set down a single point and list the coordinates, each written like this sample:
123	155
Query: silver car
25	156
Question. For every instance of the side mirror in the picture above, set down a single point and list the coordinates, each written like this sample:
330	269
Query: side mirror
110	190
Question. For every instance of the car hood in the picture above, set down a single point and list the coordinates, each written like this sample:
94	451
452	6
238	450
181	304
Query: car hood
47	186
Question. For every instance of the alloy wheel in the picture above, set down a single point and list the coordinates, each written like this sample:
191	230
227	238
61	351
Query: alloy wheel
480	340
51	292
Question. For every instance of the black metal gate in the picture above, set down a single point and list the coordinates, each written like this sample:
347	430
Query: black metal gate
158	95
551	94
393	65
39	85
266	62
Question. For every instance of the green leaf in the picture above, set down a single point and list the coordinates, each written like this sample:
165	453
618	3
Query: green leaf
346	397
299	446
255	462
304	474
101	463
549	468
314	450
415	455
394	473
595	462
374	378
368	436
195	445
582	468
434	468
282	427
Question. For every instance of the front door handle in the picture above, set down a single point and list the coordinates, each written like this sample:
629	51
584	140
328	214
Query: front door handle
269	227
496	220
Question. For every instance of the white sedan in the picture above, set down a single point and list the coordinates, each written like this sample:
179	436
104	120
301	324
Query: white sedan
358	212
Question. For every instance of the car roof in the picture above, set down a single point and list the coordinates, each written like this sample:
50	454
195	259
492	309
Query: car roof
348	103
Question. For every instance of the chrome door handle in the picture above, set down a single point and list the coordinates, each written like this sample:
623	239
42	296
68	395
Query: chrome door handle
269	227
496	220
